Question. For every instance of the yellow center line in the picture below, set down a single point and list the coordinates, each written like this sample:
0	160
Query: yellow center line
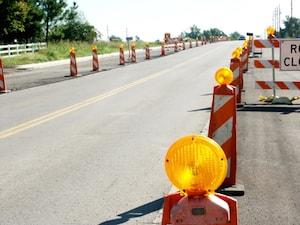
61	112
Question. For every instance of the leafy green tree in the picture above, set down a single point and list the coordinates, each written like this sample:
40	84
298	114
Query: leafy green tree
235	35
33	23
195	33
292	28
53	11
215	32
114	38
207	34
74	27
13	15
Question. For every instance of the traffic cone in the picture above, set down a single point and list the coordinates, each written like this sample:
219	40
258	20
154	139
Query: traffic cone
2	79
222	127
191	44
122	56
133	53
147	52
73	64
163	50
96	66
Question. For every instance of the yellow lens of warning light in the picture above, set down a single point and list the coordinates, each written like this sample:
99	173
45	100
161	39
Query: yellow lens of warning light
72	50
236	54
94	47
121	46
196	165
271	30
224	76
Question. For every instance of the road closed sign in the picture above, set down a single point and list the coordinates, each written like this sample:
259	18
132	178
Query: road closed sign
290	55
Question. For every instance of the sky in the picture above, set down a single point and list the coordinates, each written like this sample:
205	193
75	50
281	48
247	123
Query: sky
151	19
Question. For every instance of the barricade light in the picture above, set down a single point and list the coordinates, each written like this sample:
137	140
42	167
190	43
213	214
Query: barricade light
271	31
236	54
94	47
240	50
196	165
224	76
72	50
133	45
121	46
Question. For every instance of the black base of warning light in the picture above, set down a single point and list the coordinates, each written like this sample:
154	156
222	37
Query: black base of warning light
235	190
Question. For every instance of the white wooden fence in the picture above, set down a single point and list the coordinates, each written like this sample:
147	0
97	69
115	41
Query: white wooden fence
16	49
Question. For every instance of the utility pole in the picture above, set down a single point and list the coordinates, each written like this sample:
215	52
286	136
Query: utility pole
273	19
279	19
128	43
107	32
276	19
291	8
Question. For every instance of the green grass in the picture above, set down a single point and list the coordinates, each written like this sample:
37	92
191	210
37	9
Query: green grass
60	50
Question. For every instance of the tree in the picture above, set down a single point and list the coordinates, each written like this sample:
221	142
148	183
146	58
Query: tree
292	28
74	27
53	10
215	32
207	34
114	38
13	14
235	36
33	23
195	33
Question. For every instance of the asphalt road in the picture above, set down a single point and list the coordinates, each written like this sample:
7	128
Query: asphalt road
90	150
27	76
268	154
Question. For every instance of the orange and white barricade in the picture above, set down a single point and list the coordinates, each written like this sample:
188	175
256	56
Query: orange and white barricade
133	53
197	166
245	59
278	85
222	127
264	64
272	42
73	63
96	65
235	66
176	46
147	52
3	88
121	55
163	50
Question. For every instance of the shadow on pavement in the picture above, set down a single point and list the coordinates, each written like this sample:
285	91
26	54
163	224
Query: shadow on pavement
199	110
136	212
271	108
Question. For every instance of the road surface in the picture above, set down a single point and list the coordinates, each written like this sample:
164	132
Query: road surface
269	155
90	150
86	150
27	76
